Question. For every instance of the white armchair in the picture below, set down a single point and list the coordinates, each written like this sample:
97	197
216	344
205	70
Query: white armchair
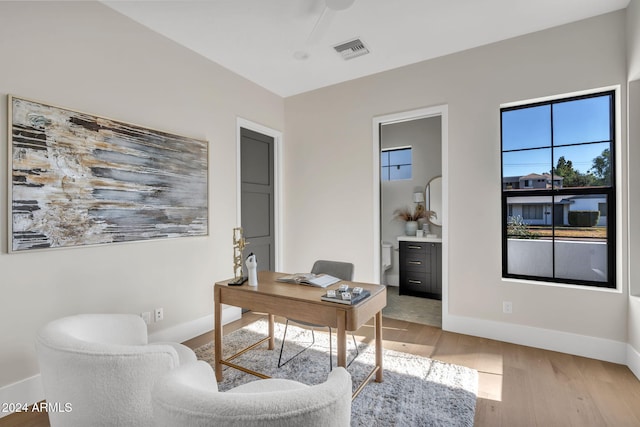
188	396
102	366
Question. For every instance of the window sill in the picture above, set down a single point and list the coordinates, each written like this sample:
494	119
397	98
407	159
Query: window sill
563	285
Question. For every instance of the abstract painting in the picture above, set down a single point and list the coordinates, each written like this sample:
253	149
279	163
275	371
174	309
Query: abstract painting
78	179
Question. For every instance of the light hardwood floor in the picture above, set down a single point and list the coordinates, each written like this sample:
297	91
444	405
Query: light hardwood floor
518	386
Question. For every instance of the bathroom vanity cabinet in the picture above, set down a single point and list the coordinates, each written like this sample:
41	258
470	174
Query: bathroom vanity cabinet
420	267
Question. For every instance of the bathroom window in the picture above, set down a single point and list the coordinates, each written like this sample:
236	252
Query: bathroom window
395	163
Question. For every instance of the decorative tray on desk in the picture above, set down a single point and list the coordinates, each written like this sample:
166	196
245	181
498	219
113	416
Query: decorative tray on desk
341	297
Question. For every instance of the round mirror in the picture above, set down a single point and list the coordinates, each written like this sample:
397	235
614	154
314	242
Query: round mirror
433	197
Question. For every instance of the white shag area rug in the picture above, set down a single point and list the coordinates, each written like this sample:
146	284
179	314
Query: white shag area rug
416	391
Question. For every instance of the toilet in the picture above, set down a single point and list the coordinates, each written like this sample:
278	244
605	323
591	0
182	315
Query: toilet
385	261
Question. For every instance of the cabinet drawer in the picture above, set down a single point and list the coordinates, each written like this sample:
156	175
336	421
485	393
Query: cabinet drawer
417	282
417	262
414	247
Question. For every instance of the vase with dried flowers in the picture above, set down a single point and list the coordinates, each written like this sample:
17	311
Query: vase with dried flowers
411	217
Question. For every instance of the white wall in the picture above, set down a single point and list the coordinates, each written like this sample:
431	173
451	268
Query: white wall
633	61
633	39
332	126
85	56
425	138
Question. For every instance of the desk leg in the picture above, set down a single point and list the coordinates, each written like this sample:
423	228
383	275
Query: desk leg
378	328
217	326
342	339
271	334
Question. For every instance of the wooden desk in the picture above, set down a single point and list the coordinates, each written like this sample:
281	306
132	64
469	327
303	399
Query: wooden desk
302	303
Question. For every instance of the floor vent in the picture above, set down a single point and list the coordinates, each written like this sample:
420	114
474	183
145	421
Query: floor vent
351	49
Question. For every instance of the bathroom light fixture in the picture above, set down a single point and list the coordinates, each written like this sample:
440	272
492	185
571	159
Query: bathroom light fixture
418	197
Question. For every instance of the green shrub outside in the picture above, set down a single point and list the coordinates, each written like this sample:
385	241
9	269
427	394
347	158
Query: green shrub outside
518	229
584	218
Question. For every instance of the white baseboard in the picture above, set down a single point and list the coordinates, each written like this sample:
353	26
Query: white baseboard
564	342
30	390
27	391
186	331
633	360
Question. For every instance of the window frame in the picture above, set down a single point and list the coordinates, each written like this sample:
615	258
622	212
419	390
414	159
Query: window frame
608	191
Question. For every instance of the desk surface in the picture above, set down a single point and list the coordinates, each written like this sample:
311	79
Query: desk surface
308	305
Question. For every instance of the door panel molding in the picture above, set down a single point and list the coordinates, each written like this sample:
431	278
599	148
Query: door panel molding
277	178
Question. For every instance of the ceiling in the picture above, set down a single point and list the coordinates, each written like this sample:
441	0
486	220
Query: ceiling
259	39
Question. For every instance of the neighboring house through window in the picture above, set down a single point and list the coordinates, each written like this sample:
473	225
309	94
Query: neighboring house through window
558	190
532	212
602	208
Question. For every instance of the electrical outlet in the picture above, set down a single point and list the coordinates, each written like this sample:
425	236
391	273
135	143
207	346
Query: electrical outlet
507	307
159	314
146	316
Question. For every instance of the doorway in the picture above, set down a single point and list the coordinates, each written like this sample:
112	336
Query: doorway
399	131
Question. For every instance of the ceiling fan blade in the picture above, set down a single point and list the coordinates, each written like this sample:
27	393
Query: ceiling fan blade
321	26
339	4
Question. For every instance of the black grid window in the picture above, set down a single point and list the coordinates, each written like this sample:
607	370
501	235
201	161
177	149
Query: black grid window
558	190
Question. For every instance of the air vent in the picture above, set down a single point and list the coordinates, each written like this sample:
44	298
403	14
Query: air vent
351	49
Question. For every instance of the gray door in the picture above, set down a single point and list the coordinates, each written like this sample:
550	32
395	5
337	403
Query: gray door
257	196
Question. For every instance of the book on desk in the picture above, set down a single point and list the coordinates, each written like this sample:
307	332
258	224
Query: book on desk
310	279
341	296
